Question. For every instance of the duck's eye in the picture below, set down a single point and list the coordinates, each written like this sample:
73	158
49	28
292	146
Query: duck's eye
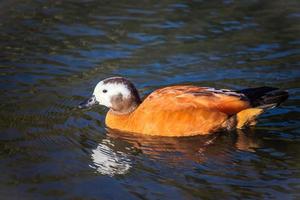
104	91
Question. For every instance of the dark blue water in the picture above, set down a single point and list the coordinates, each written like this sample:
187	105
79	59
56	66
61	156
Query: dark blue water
52	54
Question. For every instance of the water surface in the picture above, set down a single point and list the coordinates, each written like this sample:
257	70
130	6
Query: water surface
52	54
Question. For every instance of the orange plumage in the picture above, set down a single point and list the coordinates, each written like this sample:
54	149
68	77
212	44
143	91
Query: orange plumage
179	111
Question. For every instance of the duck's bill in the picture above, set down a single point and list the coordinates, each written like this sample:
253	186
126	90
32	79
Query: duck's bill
89	102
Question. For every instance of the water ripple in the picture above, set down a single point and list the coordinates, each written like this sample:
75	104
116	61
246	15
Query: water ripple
52	53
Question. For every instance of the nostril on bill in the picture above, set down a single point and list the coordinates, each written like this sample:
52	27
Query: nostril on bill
88	103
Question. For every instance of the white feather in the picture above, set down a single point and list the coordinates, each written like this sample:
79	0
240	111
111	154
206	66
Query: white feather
112	90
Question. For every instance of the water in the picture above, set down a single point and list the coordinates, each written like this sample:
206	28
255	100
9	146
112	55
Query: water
54	52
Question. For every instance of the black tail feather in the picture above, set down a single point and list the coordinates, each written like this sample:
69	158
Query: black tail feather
262	96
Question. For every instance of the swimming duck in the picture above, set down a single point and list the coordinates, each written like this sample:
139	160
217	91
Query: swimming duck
181	110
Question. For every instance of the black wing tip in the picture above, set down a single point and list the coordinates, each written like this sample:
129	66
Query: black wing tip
265	95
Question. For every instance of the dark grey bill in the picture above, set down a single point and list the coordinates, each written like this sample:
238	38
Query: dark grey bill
88	103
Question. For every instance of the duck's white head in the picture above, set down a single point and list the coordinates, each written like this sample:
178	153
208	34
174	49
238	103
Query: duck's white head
116	93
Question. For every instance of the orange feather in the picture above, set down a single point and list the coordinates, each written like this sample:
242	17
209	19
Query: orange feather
180	111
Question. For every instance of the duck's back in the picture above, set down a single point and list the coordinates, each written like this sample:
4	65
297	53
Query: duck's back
180	111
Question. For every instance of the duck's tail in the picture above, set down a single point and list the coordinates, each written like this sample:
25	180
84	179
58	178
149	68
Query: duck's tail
265	96
261	99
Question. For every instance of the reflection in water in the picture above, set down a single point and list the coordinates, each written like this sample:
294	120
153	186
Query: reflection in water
247	140
177	150
108	162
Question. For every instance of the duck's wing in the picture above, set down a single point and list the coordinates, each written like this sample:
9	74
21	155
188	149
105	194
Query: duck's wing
191	97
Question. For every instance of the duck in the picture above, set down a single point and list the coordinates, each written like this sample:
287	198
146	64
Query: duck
181	110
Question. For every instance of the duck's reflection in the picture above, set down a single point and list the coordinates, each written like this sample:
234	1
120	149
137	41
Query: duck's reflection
111	158
248	140
107	161
196	148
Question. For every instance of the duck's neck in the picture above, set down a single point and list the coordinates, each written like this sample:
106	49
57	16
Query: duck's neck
124	111
117	120
119	115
